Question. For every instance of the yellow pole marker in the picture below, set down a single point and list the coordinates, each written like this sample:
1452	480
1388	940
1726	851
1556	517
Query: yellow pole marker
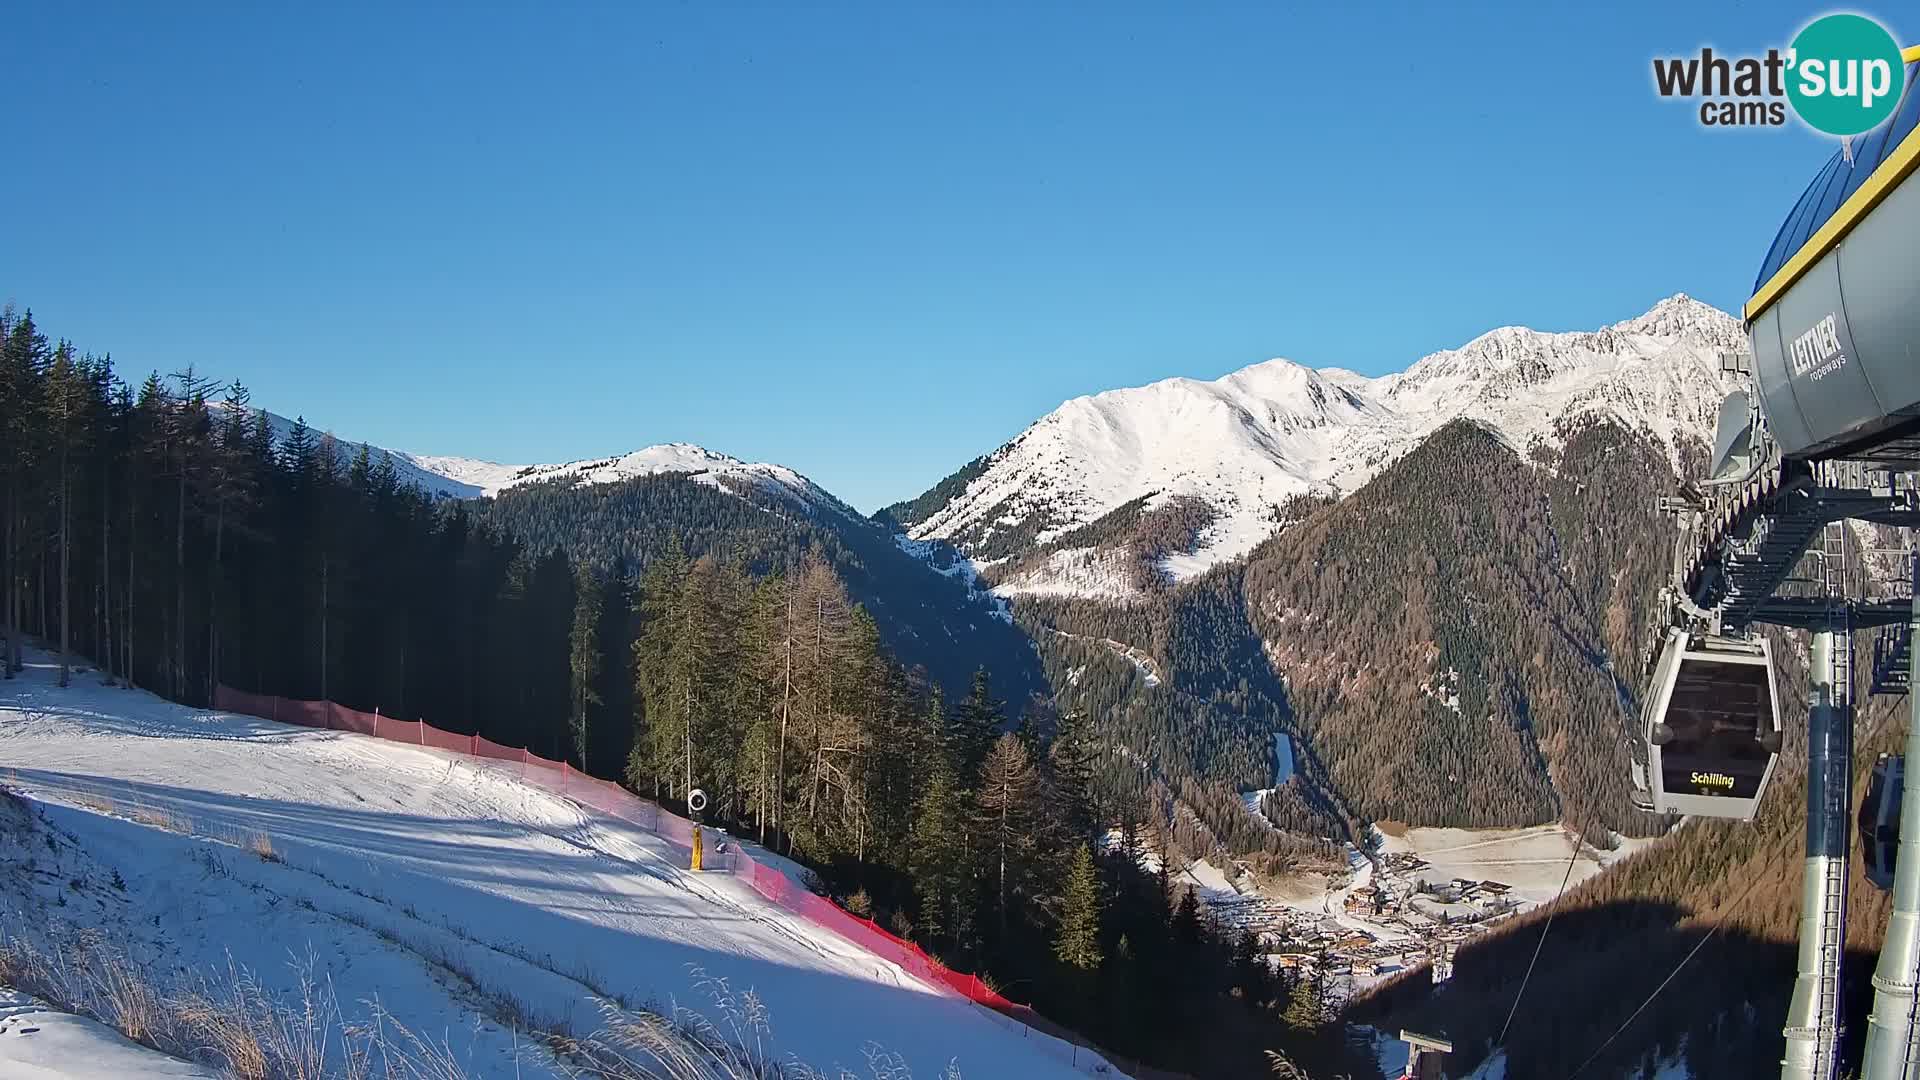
696	848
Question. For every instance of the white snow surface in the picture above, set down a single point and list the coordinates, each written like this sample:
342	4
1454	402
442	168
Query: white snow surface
393	856
1533	859
1283	769
40	1043
1086	572
1247	441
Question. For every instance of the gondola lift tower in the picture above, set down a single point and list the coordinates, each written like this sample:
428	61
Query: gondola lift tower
1822	428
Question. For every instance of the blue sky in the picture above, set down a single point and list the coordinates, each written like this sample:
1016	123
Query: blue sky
867	241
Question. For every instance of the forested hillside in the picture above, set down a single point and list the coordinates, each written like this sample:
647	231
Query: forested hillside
1200	731
1443	633
161	536
937	622
1438	645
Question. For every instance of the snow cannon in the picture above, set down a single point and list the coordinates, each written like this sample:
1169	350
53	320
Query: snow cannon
1835	311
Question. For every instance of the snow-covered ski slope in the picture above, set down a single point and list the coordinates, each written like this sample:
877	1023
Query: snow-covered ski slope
429	882
38	1043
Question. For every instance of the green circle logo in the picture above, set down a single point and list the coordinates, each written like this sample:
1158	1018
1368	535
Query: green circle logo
1845	74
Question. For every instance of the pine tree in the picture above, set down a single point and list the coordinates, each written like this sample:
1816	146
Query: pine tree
663	715
584	654
66	407
938	860
146	461
186	432
1078	941
1187	929
1070	759
23	357
233	474
1250	970
977	723
1305	1011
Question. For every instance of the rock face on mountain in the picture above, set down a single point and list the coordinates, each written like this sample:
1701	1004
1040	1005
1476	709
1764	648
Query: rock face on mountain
1032	513
1420	579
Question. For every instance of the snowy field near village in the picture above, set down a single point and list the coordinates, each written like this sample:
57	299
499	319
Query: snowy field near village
410	878
1533	860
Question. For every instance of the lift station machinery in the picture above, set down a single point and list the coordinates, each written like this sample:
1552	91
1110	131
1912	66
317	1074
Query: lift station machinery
1822	430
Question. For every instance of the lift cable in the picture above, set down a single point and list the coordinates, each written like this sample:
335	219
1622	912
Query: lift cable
1674	974
1552	910
1540	944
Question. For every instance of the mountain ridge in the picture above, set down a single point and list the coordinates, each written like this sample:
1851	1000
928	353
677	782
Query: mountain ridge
1248	441
456	477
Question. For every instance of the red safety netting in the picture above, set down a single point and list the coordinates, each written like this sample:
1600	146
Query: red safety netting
776	886
557	776
353	720
307	713
240	701
445	740
408	731
487	748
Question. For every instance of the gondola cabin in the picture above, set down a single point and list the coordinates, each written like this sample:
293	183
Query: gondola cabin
1712	726
1880	819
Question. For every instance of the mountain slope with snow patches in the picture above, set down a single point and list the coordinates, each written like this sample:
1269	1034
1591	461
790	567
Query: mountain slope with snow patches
471	478
703	465
637	505
424	880
1246	442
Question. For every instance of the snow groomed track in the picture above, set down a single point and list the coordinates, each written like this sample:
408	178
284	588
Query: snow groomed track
395	859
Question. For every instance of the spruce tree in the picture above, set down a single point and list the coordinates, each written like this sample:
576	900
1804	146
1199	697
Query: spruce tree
1078	941
976	724
1250	970
1070	758
23	358
584	655
1305	1011
658	721
232	473
939	859
1187	928
66	409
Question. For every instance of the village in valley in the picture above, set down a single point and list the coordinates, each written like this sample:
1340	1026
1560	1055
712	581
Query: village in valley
1410	902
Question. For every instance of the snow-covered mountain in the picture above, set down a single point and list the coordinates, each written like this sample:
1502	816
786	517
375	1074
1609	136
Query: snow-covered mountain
703	465
1245	442
469	478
